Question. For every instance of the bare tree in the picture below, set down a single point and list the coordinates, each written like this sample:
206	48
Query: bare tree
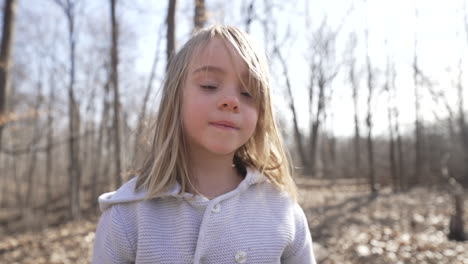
69	9
199	18
311	92
328	148
149	88
461	106
271	40
171	29
391	126
50	135
462	123
97	171
115	86
267	24
36	136
397	134
316	120
250	15
369	124
6	51
456	224
297	133
457	231
418	127
323	71
355	87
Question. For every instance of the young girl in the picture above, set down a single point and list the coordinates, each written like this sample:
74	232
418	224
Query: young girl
216	187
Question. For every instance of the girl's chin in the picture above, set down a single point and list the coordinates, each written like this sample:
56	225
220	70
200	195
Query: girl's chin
222	150
217	148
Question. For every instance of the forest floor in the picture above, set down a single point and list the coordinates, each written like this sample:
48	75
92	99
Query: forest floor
348	224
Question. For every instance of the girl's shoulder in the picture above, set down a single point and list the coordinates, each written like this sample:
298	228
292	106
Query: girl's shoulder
125	194
262	187
129	198
260	192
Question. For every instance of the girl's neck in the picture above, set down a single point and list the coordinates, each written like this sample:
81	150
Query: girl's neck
213	176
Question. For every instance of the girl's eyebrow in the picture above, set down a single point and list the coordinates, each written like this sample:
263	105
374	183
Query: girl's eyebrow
216	69
209	68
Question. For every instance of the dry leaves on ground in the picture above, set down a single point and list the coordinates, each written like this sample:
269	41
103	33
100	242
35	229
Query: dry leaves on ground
350	226
407	228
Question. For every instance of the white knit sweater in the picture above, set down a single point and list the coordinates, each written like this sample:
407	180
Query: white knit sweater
255	223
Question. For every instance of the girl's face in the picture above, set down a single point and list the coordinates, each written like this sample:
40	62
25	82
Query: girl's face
218	114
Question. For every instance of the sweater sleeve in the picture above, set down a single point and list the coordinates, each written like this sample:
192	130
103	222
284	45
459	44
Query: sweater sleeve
111	244
300	250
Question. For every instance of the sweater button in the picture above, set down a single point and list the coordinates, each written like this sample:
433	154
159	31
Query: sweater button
241	257
216	208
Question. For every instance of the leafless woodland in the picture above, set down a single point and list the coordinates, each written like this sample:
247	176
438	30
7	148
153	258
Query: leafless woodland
76	111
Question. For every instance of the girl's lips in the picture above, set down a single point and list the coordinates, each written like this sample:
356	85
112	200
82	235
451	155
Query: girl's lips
225	125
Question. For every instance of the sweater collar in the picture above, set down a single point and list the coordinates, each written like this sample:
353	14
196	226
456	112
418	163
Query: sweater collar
126	193
252	177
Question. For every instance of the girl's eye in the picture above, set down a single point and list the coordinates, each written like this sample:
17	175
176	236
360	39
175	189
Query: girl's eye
246	94
209	87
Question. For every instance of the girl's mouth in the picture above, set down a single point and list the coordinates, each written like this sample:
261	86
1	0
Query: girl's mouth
224	124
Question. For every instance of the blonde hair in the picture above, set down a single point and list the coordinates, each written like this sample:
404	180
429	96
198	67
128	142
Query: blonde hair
167	161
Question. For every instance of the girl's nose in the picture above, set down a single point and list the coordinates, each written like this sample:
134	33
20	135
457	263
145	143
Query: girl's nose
229	103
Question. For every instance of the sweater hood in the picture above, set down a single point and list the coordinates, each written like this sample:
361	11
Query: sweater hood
127	194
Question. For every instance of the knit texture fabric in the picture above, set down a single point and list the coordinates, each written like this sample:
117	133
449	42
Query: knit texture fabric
255	223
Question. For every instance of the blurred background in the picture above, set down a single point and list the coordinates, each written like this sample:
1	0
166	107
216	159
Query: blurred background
370	96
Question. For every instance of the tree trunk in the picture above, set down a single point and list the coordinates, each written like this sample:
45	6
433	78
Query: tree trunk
149	88
331	150
50	123
32	148
266	24
74	168
355	90
323	157
312	123
399	147
315	126
249	17
6	51
324	71
370	150
462	124
199	18
417	129
97	173
297	132
456	225
417	120
109	147
115	85
357	134
74	145
171	29
90	153
391	150
4	181
370	143
18	181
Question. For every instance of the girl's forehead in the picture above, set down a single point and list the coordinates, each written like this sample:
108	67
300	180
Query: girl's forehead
218	55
